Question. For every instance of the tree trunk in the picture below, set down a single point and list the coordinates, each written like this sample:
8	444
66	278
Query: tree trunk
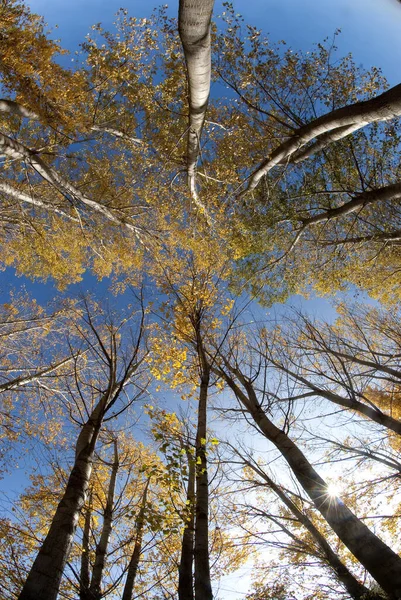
384	107
374	414
15	150
13	108
85	568
45	575
378	559
194	18
355	589
203	586
136	555
101	548
358	202
185	569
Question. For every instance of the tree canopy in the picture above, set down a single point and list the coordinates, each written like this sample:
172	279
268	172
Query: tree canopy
174	434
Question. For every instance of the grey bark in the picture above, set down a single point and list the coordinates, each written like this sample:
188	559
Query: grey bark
45	575
324	140
136	555
22	197
374	414
19	382
185	569
85	565
101	548
117	133
347	119
44	578
203	586
378	559
194	17
15	150
13	108
391	237
389	192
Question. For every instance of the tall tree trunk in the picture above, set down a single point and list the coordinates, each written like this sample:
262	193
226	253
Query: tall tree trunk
101	548
355	589
185	569
378	559
85	567
203	586
45	575
194	18
345	120
136	555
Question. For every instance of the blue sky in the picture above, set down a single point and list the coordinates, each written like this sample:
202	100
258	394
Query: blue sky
370	28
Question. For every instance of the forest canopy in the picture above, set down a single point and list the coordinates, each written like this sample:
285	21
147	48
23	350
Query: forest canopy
175	435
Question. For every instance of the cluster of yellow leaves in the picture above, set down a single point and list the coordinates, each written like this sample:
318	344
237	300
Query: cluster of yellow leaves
30	70
167	359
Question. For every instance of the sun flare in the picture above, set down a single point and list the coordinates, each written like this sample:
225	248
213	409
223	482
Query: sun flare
333	489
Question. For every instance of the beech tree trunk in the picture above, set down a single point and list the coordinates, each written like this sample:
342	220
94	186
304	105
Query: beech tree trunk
203	585
19	382
185	569
16	150
378	559
389	192
45	575
136	555
345	120
194	18
85	567
101	548
14	108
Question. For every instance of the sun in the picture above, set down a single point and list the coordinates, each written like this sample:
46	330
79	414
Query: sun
333	489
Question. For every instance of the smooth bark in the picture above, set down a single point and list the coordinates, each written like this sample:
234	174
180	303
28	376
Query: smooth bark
389	192
136	555
374	414
347	119
13	108
44	578
355	589
185	569
19	382
22	197
116	133
203	586
194	17
84	580
324	140
16	150
101	548
45	575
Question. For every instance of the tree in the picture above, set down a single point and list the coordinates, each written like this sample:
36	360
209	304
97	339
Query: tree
351	531
194	29
319	548
342	363
192	300
102	397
